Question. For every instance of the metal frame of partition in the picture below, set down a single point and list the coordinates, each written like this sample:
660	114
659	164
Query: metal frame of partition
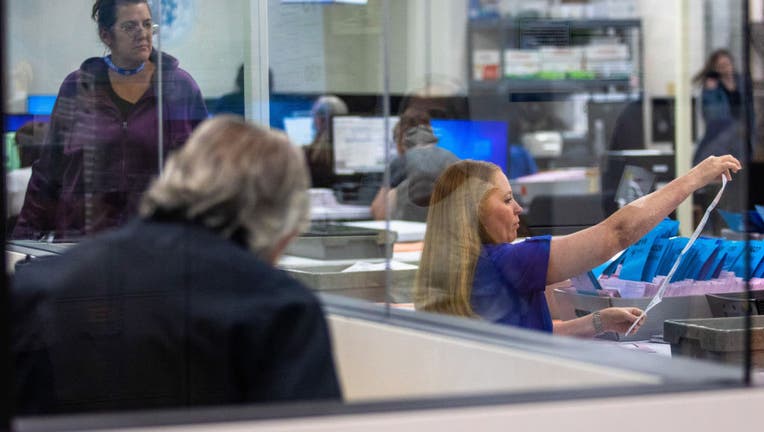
680	375
747	155
6	371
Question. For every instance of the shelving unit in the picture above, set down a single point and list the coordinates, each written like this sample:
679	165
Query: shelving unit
530	70
501	34
507	85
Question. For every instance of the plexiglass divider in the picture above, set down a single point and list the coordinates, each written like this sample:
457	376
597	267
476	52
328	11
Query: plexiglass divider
566	111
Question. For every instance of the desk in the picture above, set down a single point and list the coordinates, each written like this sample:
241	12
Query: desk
339	212
406	231
324	206
295	262
559	182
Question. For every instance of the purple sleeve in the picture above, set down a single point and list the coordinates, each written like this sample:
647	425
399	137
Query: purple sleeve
524	265
38	211
185	108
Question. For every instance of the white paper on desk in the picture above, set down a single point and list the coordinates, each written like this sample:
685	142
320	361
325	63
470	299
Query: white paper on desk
367	266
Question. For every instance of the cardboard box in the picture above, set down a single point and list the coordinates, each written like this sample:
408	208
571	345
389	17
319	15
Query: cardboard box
606	52
561	59
485	65
521	63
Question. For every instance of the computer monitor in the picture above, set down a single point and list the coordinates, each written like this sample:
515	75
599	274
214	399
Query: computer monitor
359	143
474	139
615	125
660	163
663	122
40	104
281	106
299	129
14	121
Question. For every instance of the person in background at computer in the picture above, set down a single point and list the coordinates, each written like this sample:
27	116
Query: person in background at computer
319	152
29	140
103	148
470	266
232	103
182	306
414	171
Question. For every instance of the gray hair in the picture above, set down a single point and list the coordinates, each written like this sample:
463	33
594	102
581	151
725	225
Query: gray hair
327	106
242	181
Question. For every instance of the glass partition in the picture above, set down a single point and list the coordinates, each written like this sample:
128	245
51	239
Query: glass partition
475	167
594	105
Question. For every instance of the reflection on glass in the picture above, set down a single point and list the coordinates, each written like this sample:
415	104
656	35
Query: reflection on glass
319	152
420	160
568	107
233	102
326	93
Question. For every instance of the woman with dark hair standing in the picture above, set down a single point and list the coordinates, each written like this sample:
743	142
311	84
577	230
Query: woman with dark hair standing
721	106
106	142
721	86
723	110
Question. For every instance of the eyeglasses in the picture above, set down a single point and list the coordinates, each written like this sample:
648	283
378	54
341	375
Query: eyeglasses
134	28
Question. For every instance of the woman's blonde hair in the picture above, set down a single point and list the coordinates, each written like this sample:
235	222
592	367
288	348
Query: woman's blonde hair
454	238
240	180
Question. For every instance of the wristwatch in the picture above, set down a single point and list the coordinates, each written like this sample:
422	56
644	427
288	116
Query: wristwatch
597	323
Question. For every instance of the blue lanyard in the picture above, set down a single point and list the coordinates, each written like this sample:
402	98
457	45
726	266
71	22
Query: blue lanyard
122	71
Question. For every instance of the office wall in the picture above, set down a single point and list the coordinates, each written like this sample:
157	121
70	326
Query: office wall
437	57
47	40
660	22
354	47
50	39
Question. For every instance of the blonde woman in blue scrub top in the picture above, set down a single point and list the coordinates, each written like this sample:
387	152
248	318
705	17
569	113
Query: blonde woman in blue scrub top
471	268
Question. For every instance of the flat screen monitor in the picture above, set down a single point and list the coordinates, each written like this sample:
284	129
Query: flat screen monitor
659	163
754	172
281	106
359	143
474	139
299	129
14	121
615	125
663	122
40	104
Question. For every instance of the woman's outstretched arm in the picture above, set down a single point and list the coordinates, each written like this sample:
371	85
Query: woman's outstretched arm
578	252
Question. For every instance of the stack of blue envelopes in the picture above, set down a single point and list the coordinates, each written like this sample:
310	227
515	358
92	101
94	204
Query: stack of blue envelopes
655	253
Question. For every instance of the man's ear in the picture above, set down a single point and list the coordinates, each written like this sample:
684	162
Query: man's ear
280	246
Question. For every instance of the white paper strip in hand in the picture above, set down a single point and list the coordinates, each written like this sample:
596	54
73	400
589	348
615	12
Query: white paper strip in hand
664	284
